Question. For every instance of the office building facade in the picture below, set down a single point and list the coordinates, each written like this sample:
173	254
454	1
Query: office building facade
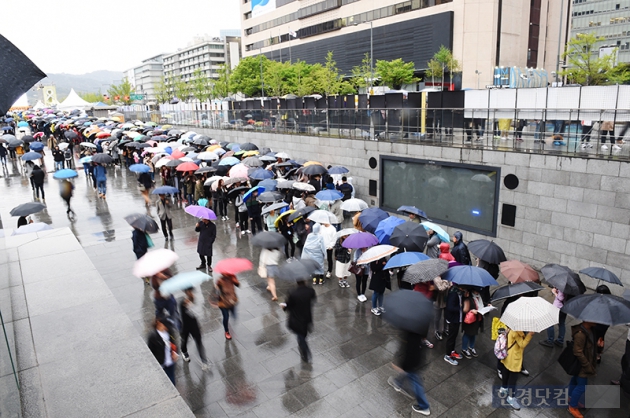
145	77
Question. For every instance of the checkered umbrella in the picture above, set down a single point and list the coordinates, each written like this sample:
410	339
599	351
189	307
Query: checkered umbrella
425	271
530	315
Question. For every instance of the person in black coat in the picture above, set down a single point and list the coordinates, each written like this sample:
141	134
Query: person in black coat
378	284
300	307
460	250
190	327
207	234
38	177
157	342
453	316
408	368
140	243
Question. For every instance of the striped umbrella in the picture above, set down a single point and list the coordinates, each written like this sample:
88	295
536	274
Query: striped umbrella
530	315
425	271
376	253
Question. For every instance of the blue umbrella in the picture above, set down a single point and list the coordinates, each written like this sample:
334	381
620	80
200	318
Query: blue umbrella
252	190
229	161
386	227
338	170
183	281
6	128
86	160
36	146
437	229
261	174
30	156
22	124
8	120
469	276
65	174
269	184
329	195
414	210
139	168
371	217
165	190
405	259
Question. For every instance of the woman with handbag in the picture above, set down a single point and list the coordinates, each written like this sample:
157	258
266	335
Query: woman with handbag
342	262
378	283
512	363
472	322
268	267
227	300
361	273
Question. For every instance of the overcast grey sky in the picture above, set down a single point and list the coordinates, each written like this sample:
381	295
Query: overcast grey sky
76	37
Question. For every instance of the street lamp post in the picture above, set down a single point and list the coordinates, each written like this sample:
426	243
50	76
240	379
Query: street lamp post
478	74
371	54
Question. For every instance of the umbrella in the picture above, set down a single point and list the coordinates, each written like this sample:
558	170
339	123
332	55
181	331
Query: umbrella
187	167
165	190
208	156
172	163
103	159
202	170
267	239
268	158
154	262
36	146
30	228
360	240
599	308
200	212
65	174
137	168
470	276
425	271
26	209
510	290
261	174
329	195
405	259
281	216
143	222
322	217
239	170
345	232
444	237
233	180
268	184
517	272
236	191
371	217
438	182
487	251
252	162
30	156
229	161
298	270
87	145
353	205
338	170
414	210
86	160
409	235
70	135
13	143
305	187
183	281
248	193
248	146
300	213
601	273
233	266
408	310
386	227
285	184
530	314
314	169
376	253
564	279
283	156
274	206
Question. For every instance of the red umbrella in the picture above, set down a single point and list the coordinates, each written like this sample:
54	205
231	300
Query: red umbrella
177	154
187	167
233	266
103	135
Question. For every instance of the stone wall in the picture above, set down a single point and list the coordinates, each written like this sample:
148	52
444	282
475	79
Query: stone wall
571	211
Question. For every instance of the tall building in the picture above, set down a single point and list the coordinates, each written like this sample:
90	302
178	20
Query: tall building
205	53
609	19
145	77
483	34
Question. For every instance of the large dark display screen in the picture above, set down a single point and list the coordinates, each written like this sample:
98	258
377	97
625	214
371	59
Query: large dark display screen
460	195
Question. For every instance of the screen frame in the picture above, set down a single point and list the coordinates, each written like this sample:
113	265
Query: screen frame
495	212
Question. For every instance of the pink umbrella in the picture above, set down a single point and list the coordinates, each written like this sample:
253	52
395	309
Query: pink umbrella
177	154
239	170
154	262
233	266
187	166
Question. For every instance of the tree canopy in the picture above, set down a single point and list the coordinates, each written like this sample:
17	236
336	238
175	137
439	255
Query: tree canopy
585	67
120	93
395	73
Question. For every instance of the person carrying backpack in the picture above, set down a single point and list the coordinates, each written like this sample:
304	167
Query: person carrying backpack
509	349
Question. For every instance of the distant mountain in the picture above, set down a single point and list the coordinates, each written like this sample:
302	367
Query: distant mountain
84	83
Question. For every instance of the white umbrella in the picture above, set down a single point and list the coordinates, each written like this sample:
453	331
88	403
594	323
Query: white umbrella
344	232
303	186
322	217
208	156
162	162
353	205
87	144
212	180
154	262
530	314
30	228
376	253
63	145
283	155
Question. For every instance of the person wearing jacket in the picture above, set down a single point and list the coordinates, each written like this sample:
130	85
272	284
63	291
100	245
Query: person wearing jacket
585	350
242	213
287	233
38	177
408	368
445	252
162	345
460	250
58	158
472	322
558	302
336	210
315	249
453	317
200	193
254	211
328	233
100	174
300	307
163	206
225	285
190	328
362	276
433	244
342	262
144	185
378	284
207	234
189	188
511	365
219	201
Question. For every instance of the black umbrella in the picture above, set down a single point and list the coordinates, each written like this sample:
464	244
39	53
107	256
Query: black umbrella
102	159
410	236
408	310
270	197
564	279
601	273
274	206
232	193
205	170
143	222
267	239
599	308
173	163
223	170
200	141
425	271
487	251
26	209
285	184
248	146
510	290
301	212
298	270
14	143
70	135
28	138
314	169
285	164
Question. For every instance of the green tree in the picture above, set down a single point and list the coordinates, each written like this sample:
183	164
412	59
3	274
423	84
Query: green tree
181	89
245	78
584	64
222	83
122	91
434	69
396	72
201	86
620	74
162	91
361	74
92	97
279	78
442	60
301	81
326	78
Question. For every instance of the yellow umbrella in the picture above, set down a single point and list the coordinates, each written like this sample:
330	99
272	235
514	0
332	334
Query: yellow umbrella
116	118
213	147
250	153
164	127
306	164
282	215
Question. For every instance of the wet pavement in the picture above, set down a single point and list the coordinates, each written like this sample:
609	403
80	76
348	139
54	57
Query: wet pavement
259	373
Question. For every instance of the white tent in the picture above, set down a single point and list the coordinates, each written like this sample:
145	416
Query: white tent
73	101
39	105
21	102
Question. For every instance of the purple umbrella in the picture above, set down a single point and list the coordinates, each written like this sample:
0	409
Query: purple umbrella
201	212
360	240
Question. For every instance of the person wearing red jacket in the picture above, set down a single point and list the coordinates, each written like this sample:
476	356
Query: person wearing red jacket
445	252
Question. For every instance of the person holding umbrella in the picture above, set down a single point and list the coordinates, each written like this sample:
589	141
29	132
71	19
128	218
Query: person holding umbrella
342	262
269	260
38	177
558	302
66	189
190	328
100	174
254	211
433	244
207	234
240	205
58	157
460	250
453	316
378	284
287	232
219	200
163	206
144	185
225	286
361	274
3	155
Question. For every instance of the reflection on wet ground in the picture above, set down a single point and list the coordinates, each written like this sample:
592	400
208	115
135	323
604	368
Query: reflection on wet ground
259	373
